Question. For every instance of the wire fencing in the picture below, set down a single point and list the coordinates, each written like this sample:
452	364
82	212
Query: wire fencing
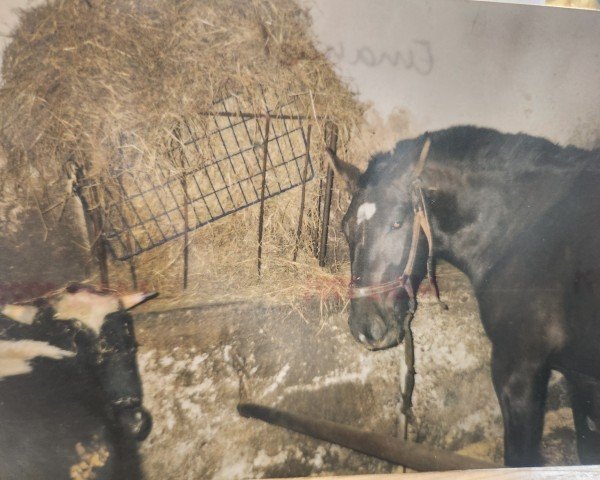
212	166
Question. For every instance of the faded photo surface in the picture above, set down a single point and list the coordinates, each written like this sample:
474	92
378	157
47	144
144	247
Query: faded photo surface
294	238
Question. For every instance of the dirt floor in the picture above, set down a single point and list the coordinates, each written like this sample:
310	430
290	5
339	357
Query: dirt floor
198	368
198	363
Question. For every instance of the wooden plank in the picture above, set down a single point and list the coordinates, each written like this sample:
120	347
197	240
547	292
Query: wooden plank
412	455
539	473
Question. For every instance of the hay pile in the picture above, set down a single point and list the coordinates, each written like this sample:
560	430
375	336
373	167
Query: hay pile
79	74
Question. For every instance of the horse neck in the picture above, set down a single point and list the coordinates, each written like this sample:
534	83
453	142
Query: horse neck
477	216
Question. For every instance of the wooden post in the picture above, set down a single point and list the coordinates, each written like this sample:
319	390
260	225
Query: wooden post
302	195
315	237
132	269
263	185
93	221
186	226
186	232
331	134
98	245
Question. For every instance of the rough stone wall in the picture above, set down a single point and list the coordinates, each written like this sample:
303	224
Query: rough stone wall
455	403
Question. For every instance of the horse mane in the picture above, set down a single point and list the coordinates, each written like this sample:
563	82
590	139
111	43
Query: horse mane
482	149
488	149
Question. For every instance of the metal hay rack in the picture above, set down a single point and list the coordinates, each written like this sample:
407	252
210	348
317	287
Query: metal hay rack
212	166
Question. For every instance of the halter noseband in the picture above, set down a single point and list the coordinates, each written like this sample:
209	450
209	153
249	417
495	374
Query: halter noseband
421	223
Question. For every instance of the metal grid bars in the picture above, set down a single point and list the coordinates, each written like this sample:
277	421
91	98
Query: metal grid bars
211	167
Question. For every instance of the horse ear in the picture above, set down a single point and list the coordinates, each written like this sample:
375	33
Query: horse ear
134	299
346	171
20	313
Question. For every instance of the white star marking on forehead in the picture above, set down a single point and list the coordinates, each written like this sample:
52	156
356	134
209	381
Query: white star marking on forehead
365	212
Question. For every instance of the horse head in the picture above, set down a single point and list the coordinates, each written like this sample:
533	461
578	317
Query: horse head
97	327
385	227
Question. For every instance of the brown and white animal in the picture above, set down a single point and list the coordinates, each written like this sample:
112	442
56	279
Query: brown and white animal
70	390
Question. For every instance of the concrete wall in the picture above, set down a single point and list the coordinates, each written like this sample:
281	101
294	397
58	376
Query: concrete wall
513	67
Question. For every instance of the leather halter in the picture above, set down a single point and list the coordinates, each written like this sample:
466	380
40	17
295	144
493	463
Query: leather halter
421	223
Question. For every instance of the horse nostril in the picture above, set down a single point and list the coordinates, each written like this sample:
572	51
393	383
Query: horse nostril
372	332
377	329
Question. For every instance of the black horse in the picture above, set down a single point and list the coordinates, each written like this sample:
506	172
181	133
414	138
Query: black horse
519	216
70	392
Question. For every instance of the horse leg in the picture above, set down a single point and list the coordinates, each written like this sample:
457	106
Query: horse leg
585	402
521	385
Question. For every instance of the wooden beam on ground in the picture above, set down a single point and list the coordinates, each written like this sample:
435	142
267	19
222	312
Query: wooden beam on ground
412	455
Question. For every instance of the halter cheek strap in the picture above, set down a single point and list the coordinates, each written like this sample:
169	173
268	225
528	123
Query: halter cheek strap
422	216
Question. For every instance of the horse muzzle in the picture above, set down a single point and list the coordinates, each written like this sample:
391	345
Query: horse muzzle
135	422
375	328
391	338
